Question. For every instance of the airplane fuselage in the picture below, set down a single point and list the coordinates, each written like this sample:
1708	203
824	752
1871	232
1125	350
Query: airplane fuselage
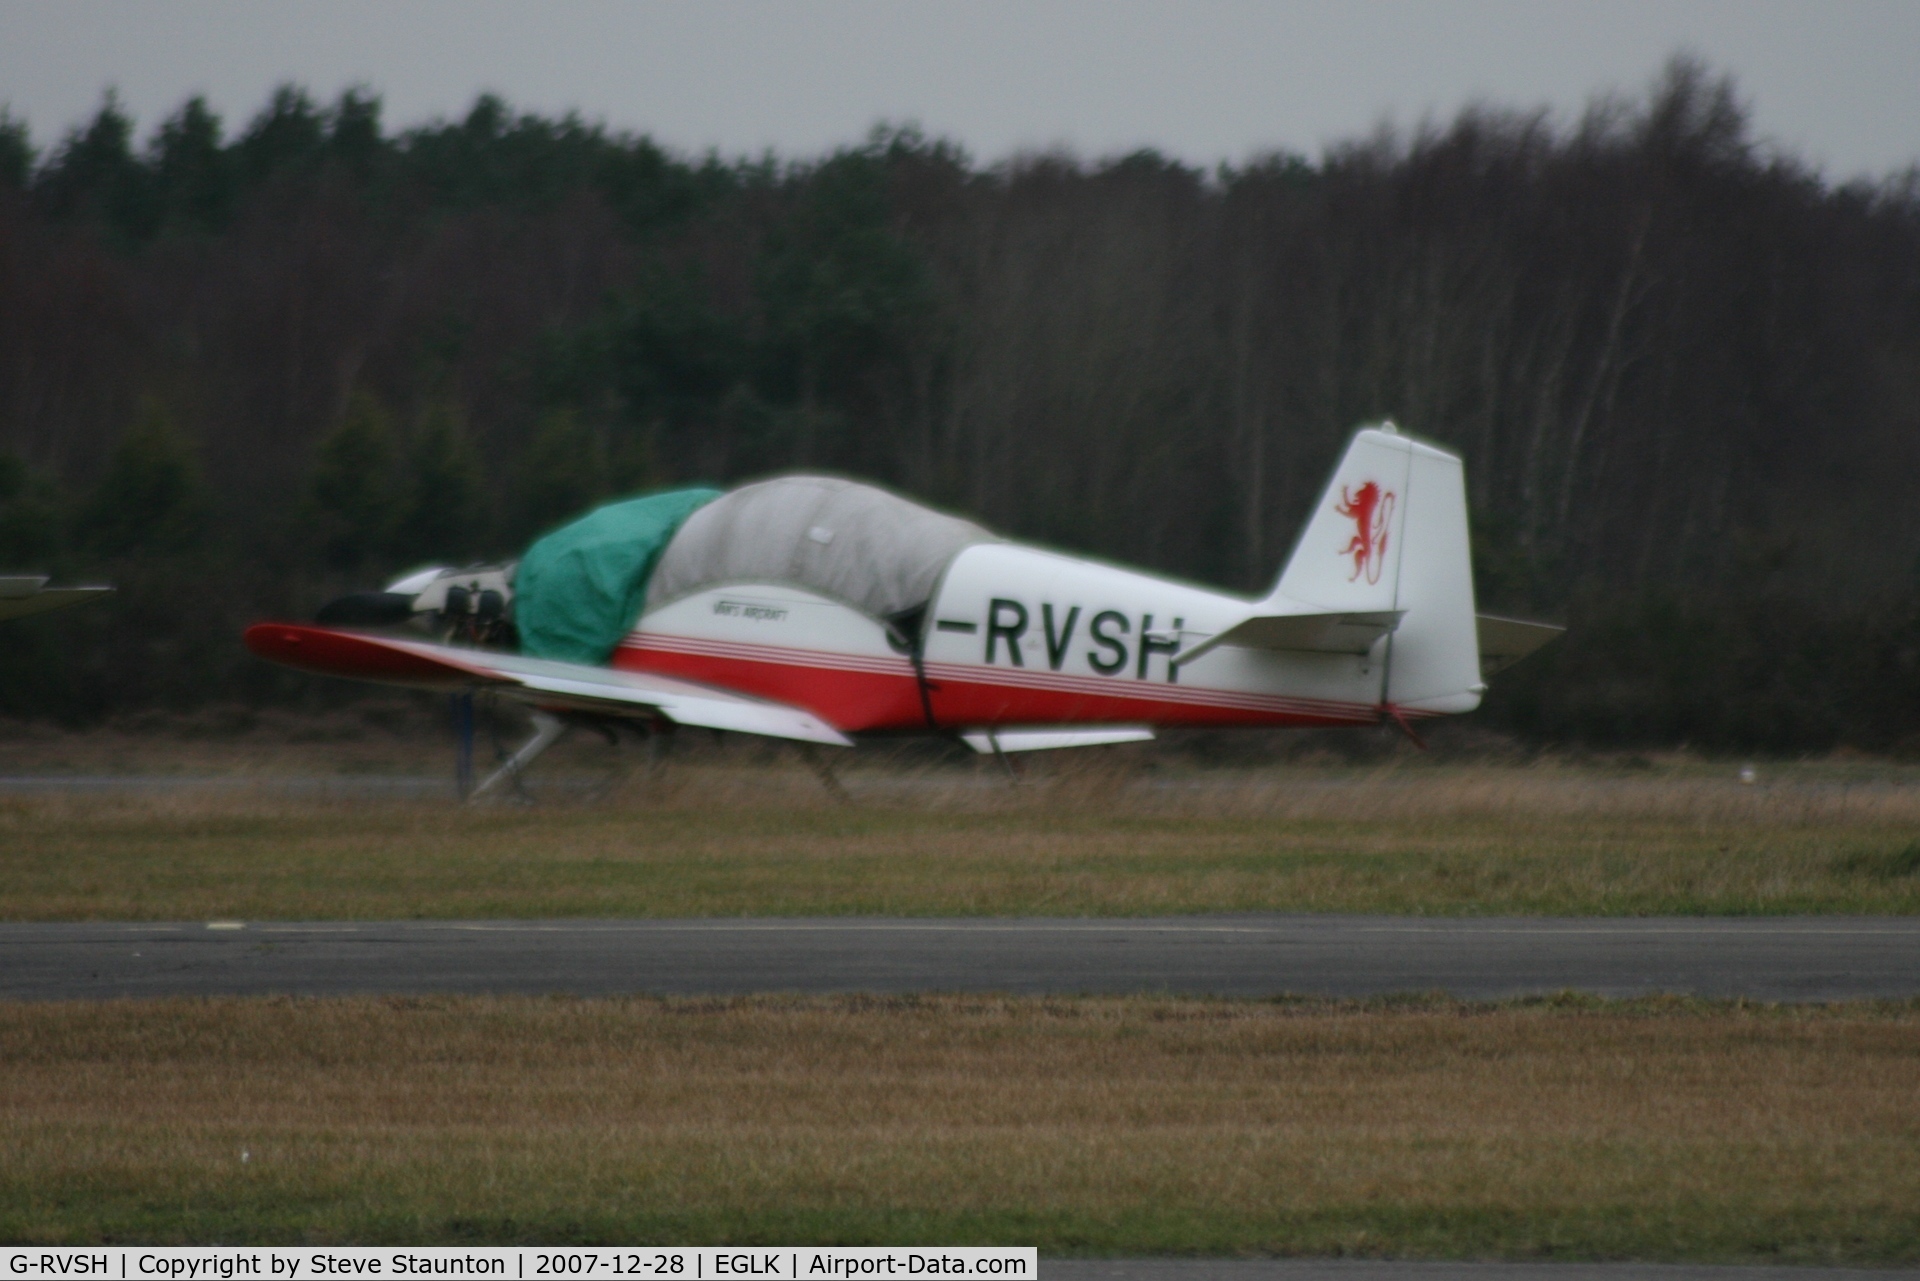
1014	636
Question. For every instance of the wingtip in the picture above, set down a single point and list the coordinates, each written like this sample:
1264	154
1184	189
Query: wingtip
270	639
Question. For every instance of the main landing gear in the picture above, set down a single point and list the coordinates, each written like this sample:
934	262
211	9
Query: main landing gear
548	728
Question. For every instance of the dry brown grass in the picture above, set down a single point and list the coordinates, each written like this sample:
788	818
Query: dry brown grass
729	839
1650	1130
379	735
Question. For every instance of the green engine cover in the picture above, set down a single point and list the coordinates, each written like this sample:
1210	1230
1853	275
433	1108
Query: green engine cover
581	588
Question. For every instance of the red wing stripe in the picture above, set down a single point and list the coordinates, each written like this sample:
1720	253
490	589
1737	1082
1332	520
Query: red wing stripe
373	658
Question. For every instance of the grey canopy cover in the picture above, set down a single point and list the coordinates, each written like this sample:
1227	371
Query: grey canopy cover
854	543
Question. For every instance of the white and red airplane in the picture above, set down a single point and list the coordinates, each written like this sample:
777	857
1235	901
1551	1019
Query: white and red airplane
819	610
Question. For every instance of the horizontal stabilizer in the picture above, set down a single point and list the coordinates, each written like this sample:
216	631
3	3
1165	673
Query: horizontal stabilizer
24	595
1323	633
1505	641
541	682
988	741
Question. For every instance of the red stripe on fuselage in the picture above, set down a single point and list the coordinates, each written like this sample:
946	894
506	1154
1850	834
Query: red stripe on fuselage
962	702
854	701
858	700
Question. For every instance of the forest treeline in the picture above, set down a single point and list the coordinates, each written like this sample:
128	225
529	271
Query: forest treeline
241	373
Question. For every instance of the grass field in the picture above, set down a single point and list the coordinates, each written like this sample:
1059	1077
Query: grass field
1565	1129
766	840
1652	1130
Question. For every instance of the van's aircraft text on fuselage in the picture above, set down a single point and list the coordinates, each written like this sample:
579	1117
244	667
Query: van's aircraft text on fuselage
816	609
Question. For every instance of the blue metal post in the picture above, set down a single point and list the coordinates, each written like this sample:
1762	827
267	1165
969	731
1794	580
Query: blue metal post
463	753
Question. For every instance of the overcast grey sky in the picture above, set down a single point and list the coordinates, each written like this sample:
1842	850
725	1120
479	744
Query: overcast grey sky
1836	81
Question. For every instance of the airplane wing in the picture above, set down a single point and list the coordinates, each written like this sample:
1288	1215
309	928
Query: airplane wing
1044	738
1320	633
21	596
540	682
1505	641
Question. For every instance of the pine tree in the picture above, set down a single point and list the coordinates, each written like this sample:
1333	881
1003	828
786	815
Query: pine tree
563	471
193	172
96	177
840	291
444	514
152	499
354	491
16	152
29	517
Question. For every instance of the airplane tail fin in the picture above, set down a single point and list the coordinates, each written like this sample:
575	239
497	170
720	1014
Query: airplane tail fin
1389	537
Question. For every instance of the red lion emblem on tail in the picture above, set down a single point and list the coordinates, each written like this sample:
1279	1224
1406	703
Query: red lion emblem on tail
1371	512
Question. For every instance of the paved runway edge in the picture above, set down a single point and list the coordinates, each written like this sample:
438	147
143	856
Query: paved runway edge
1772	959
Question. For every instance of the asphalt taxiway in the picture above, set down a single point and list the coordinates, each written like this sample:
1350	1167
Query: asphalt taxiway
1771	959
